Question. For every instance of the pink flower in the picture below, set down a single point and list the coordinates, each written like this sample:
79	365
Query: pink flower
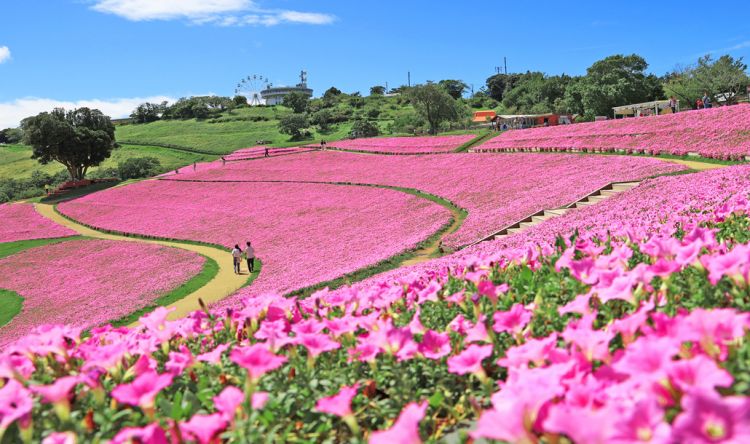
470	360
513	320
60	438
258	400
706	417
256	359
406	428
317	343
15	403
490	290
339	404
699	373
214	356
179	361
642	423
143	390
58	391
150	434
228	402
435	345
203	428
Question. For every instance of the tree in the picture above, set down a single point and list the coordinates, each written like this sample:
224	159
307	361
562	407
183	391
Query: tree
78	139
147	112
297	101
498	84
322	119
683	84
618	80
293	124
364	128
377	90
434	104
455	88
331	93
725	76
239	100
11	135
138	167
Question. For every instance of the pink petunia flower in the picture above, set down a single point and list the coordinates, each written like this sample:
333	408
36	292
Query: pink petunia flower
435	345
214	356
513	320
258	400
15	403
60	438
706	417
203	428
470	360
256	359
339	404
228	402
143	390
150	434
406	428
317	343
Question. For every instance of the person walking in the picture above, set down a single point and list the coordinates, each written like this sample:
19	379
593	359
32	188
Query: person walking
223	161
236	256
195	165
699	104
706	100
673	104
266	153
322	144
250	256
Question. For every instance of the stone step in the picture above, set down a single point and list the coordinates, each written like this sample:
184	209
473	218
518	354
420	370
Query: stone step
624	186
527	224
514	230
609	193
539	219
595	199
557	212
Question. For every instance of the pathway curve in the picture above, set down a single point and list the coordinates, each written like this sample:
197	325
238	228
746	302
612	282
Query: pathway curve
224	284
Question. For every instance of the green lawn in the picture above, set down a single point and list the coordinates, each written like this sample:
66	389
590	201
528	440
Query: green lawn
16	161
10	305
223	135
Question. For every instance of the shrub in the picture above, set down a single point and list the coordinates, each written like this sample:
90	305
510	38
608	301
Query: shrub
138	167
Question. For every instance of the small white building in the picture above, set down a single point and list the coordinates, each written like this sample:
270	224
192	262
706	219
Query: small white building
275	95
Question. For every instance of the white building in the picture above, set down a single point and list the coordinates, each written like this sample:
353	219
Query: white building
275	95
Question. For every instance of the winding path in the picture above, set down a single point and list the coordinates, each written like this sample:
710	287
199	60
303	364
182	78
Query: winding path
224	283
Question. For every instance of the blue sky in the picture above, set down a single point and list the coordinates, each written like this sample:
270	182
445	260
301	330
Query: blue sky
112	53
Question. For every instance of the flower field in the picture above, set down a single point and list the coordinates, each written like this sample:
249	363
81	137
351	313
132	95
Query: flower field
84	283
257	152
496	190
722	133
303	233
22	222
404	145
636	334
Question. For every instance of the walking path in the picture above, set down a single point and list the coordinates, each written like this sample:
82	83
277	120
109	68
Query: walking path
219	287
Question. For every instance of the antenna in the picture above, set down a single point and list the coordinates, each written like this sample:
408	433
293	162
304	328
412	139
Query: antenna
408	77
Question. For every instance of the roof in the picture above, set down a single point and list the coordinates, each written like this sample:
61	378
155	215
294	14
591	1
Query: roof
644	105
481	116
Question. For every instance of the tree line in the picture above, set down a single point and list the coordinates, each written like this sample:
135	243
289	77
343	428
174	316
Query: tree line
613	81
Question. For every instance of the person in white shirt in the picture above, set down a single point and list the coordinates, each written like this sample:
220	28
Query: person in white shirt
236	256
249	256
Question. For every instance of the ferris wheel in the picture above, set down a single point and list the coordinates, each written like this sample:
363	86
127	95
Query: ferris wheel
250	87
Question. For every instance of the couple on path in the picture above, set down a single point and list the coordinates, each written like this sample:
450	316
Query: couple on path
248	255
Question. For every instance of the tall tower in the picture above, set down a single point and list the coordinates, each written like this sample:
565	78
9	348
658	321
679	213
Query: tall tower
303	79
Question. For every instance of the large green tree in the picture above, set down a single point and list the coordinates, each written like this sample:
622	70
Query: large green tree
455	88
618	80
435	105
297	101
725	77
78	139
294	125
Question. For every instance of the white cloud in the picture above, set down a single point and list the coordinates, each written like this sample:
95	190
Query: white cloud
137	10
4	54
218	12
11	113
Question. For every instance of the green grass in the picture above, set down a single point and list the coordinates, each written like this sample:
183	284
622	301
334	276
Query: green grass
224	136
10	305
9	248
16	161
208	272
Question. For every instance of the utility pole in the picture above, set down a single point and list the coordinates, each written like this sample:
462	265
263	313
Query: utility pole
505	64
408	78
386	87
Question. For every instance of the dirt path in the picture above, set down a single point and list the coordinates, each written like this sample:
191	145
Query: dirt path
222	285
694	164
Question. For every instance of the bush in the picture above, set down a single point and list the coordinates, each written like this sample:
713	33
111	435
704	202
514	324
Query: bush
365	128
293	124
138	167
